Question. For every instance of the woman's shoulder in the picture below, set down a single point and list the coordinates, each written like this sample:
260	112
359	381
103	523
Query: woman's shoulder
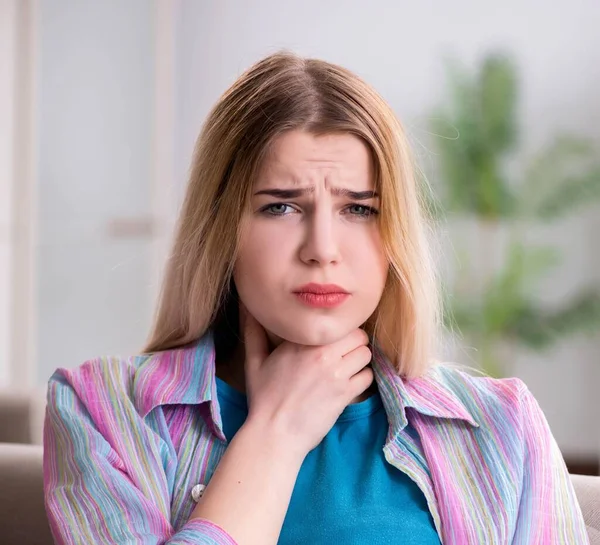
96	381
483	396
132	383
101	370
460	377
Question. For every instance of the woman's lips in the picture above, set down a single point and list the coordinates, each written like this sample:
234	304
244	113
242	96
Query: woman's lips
321	300
321	295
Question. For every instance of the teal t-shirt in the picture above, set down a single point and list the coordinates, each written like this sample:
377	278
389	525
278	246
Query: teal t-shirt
346	492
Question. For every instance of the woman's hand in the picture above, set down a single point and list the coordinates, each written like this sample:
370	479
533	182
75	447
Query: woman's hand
297	391
295	394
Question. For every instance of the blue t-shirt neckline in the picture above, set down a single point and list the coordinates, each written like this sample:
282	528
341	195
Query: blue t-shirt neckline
353	411
346	490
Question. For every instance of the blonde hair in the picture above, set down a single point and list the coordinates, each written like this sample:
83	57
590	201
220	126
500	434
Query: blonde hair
280	93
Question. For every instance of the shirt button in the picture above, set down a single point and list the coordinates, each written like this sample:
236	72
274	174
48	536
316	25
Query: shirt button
197	492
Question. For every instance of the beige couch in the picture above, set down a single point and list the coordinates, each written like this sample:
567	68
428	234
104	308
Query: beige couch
22	416
22	515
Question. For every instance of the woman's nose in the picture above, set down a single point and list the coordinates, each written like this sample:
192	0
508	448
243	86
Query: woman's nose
320	245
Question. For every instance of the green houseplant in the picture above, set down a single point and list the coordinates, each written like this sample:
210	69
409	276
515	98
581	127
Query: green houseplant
483	177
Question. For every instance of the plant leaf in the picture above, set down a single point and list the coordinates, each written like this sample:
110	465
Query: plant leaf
538	329
566	158
498	94
569	195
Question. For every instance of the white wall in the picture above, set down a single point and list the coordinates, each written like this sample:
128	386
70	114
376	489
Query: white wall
398	46
8	56
17	183
95	173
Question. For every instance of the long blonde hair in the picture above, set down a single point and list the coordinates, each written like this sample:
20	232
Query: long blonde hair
280	93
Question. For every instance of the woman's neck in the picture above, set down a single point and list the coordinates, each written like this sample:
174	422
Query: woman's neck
231	371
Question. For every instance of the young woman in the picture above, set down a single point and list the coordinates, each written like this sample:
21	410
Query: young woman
289	393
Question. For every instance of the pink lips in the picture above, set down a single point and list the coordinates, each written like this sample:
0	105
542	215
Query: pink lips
321	295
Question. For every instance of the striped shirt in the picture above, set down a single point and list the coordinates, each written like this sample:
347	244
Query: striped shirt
126	440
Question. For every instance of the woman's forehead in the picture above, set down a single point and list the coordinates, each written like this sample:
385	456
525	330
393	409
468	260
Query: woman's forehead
300	159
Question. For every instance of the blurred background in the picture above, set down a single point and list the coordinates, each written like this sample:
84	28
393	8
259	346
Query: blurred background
101	102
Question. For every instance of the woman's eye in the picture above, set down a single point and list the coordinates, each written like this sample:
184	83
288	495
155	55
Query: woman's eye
283	209
278	209
362	210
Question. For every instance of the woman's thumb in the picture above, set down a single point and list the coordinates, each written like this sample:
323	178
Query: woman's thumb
255	339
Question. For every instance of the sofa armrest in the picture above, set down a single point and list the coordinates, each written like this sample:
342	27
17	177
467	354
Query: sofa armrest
587	489
22	415
22	513
15	417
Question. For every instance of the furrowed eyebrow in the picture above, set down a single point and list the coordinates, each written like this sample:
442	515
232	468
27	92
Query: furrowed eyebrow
336	191
355	195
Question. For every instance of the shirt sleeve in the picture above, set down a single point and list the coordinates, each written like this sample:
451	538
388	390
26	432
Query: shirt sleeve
549	512
89	499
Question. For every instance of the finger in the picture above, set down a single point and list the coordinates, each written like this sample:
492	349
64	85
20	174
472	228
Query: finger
360	382
255	339
355	361
353	340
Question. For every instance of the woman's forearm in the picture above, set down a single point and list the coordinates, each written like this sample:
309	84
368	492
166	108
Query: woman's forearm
249	493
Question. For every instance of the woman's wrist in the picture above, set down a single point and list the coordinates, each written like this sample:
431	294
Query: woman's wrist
273	441
249	493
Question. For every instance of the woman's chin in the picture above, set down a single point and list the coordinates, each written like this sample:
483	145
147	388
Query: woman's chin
311	335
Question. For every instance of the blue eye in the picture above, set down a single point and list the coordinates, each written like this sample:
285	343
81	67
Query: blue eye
277	209
359	211
362	210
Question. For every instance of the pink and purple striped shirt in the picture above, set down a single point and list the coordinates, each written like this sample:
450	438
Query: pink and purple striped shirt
126	440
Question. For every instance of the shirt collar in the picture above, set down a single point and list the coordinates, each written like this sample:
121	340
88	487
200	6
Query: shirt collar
186	376
180	376
430	394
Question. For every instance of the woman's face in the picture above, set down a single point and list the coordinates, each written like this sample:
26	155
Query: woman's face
312	228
